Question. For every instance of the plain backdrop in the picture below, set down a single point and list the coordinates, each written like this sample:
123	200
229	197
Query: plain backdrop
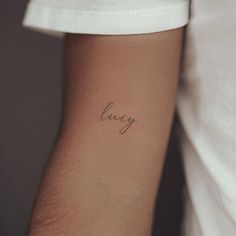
30	107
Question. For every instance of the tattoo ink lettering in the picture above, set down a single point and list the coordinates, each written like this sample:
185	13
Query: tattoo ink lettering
108	115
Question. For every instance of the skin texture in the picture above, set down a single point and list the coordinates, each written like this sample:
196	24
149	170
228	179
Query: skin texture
103	174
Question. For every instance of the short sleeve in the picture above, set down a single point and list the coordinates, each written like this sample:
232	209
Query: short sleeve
112	17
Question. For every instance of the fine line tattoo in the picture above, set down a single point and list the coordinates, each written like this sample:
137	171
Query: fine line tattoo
108	115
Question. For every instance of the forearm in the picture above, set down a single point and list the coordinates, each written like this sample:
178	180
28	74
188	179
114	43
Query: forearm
104	171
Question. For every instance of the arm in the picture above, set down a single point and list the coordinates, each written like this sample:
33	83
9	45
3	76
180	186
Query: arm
104	171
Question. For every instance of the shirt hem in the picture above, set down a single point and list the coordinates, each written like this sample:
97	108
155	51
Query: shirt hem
56	21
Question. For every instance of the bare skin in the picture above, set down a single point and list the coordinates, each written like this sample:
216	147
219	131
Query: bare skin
103	174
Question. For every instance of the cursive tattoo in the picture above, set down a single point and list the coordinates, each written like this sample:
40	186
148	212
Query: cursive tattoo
108	115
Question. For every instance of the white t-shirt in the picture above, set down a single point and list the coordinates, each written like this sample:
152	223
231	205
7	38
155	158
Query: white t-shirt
207	108
206	100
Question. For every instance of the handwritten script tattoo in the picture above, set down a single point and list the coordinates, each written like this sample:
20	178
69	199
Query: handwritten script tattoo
108	115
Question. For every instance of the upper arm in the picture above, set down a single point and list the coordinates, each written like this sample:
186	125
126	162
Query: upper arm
119	97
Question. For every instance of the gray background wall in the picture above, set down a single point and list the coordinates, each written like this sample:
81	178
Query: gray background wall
30	106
